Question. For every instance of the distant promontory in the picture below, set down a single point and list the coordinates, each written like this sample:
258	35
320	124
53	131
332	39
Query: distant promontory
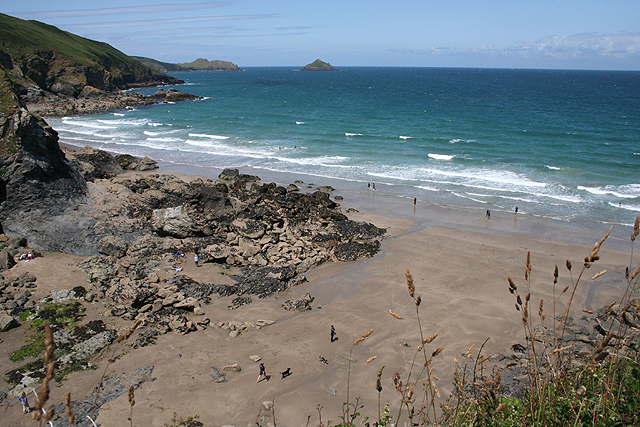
199	64
318	65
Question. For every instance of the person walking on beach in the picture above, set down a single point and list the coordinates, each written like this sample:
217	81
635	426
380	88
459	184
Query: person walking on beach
414	201
488	215
333	334
25	403
263	373
196	259
373	184
516	211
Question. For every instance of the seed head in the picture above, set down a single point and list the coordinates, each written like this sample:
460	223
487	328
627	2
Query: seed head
410	285
396	315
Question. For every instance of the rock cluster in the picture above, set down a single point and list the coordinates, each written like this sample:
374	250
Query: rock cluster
97	164
272	235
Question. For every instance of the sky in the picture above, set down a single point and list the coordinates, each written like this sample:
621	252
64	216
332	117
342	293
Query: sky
560	34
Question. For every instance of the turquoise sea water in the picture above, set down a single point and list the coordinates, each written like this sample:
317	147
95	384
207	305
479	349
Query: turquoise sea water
556	144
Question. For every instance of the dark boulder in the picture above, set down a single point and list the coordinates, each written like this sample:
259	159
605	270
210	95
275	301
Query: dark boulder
351	251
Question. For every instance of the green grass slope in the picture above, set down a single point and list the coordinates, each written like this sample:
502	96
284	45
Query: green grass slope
46	54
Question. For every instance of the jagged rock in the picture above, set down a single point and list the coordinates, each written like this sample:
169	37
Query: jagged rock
351	251
249	228
112	246
173	222
94	164
128	162
89	347
302	304
232	368
239	302
7	321
218	377
37	182
6	260
130	293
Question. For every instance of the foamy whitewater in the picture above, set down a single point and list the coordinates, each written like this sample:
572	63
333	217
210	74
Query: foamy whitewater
556	144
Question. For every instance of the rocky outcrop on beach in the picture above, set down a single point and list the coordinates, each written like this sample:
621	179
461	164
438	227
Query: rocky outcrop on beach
133	225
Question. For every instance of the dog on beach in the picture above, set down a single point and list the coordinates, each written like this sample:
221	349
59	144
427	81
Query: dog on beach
285	373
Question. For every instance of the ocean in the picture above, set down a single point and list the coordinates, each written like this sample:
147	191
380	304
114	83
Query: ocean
560	145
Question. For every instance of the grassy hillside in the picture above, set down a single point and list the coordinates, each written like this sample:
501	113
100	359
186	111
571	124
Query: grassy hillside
199	64
48	55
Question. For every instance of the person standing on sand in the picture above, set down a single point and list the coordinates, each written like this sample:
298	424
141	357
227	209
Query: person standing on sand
488	214
414	201
333	333
196	259
263	373
516	210
25	403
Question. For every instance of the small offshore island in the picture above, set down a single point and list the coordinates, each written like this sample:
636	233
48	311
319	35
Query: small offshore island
318	65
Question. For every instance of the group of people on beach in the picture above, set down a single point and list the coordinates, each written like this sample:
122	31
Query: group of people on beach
262	375
488	213
178	268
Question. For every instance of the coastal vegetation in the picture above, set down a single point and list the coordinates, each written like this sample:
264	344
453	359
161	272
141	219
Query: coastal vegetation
318	65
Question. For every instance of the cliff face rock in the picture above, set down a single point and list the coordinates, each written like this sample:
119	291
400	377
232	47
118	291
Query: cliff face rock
36	182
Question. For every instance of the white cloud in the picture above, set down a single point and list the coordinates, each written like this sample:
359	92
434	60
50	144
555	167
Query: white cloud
585	45
153	8
165	21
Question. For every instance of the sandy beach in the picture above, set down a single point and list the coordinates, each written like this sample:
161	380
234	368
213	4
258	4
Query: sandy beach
459	260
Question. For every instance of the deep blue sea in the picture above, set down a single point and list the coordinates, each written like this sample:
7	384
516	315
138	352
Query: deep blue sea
556	144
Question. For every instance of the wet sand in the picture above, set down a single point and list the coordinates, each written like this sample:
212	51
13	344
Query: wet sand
460	262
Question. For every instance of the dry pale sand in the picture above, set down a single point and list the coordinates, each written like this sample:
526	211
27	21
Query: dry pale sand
460	275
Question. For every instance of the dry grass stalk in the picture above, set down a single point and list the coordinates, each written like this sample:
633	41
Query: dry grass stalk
132	402
43	393
130	331
437	352
410	285
362	337
430	339
468	355
396	315
67	406
598	275
371	359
